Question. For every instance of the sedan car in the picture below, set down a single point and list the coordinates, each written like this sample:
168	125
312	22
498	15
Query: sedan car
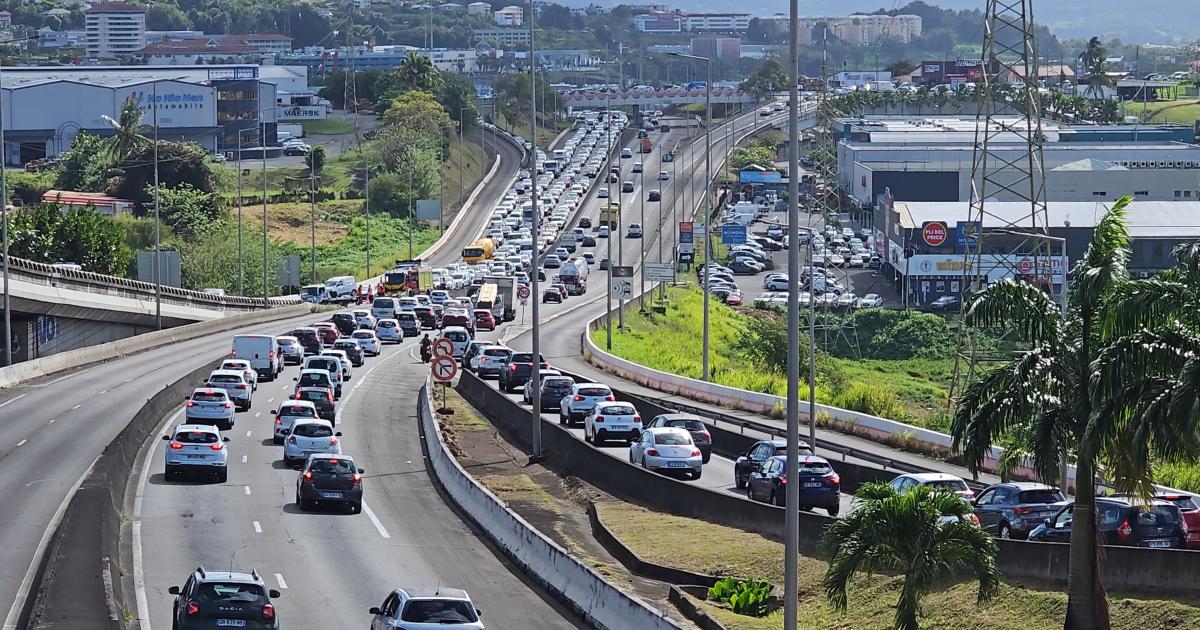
291	349
223	599
667	450
389	331
819	485
308	437
1012	510
426	608
759	453
700	435
330	480
612	421
369	342
1122	521
580	401
234	383
210	405
196	449
289	413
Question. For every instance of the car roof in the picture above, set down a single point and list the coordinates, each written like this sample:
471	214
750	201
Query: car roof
933	476
304	371
204	428
1026	485
209	390
659	430
237	373
330	456
313	421
224	361
229	576
440	592
296	403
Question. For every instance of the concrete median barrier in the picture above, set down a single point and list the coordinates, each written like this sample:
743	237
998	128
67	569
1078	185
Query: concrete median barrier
594	598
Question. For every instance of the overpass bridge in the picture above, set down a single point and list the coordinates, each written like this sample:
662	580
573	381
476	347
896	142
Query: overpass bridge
656	98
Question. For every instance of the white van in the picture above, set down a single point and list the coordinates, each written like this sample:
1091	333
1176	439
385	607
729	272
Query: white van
340	287
384	308
263	353
459	337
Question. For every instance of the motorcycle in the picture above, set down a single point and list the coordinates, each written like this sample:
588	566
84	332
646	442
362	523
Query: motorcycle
426	352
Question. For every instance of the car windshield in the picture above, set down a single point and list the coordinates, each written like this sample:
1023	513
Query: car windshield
689	424
228	592
445	611
673	439
197	437
297	411
953	485
814	468
345	345
312	430
209	396
594	391
1040	496
333	466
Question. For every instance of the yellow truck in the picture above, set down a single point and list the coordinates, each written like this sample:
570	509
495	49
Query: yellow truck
610	215
479	250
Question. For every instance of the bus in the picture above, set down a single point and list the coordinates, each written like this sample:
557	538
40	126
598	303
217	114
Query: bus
477	251
489	298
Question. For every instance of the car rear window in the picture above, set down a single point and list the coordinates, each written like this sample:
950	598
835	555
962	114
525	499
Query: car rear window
345	345
209	396
323	364
439	611
224	378
953	485
313	430
559	383
297	411
618	410
314	395
387	324
197	437
814	468
1158	515
362	334
228	592
314	379
334	466
496	352
594	391
1040	496
1183	503
457	336
673	439
689	424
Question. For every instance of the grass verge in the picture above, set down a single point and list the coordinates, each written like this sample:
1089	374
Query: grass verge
725	551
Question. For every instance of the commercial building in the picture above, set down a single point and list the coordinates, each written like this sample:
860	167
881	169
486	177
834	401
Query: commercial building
504	37
247	48
856	79
209	105
114	29
675	22
950	72
511	15
361	58
717	47
935	236
858	30
479	8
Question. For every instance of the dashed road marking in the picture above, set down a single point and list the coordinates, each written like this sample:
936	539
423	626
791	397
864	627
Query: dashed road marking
279	579
383	532
247	489
13	399
22	442
257	527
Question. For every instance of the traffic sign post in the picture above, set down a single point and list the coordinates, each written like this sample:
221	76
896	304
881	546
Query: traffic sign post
622	282
733	234
523	292
443	369
444	348
659	272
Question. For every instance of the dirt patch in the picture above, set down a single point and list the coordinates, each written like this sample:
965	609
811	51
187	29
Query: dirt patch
292	222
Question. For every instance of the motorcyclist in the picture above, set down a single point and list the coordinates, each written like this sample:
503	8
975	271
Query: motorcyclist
426	348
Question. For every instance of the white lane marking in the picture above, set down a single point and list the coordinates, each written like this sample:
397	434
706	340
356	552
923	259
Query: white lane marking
279	578
243	459
10	620
257	527
22	443
63	378
375	521
13	399
249	432
247	489
257	414
270	400
139	572
76	406
103	392
51	421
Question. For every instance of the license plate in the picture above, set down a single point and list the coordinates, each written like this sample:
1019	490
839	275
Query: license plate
196	456
331	495
813	484
231	623
1159	544
676	464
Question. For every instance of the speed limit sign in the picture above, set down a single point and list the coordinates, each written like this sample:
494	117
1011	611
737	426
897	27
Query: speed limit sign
443	348
523	292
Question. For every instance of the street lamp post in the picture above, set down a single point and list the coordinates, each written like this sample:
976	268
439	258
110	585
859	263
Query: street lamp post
4	229
536	376
606	211
707	198
157	224
462	161
791	527
265	291
642	246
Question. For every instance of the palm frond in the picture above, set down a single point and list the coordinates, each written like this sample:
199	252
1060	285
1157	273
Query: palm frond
1144	303
1105	265
1005	397
1014	305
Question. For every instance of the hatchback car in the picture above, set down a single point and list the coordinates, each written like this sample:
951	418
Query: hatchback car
308	437
634	231
316	378
330	480
819	485
368	341
409	325
760	453
942	481
489	360
667	450
234	383
196	449
353	351
309	338
580	400
551	294
343	359
346	322
517	371
484	319
388	330
1156	524
700	435
209	405
223	599
429	608
322	399
543	374
612	421
291	349
289	413
333	365
1012	510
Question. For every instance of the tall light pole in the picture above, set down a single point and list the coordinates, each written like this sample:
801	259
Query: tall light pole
240	289
536	376
608	203
4	229
263	131
642	246
312	218
707	198
462	160
791	525
157	224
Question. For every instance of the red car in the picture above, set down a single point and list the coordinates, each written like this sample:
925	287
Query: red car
328	331
484	320
1190	507
456	319
734	298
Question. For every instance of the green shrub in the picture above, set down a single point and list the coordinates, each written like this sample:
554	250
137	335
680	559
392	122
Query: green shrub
870	399
745	597
1179	475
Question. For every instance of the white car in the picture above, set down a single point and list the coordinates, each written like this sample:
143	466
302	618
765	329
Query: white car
870	300
635	231
612	421
581	399
667	449
490	359
365	319
209	405
235	384
196	448
389	330
308	437
246	368
368	341
289	413
459	338
436	609
342	358
602	193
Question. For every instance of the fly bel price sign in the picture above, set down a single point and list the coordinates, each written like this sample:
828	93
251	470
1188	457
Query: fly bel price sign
934	233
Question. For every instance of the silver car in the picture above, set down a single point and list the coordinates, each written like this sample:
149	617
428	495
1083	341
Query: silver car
246	367
293	352
196	448
209	405
389	330
435	609
580	401
289	413
234	383
310	436
667	449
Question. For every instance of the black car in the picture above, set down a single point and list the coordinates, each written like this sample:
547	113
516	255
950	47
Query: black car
819	485
585	222
322	399
1012	510
409	324
700	435
759	453
309	339
353	351
603	264
944	304
330	479
425	315
552	295
224	599
1157	524
589	240
654	195
554	388
346	323
517	370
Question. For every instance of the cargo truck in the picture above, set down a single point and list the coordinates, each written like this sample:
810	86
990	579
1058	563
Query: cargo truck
504	306
646	145
574	275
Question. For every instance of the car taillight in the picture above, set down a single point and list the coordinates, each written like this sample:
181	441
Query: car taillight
833	479
652	452
974	519
695	452
599	418
783	479
1125	530
192	609
176	446
269	612
610	398
308	474
278	420
578	398
216	447
190	404
240	386
1021	509
291	439
357	478
333	441
513	367
637	418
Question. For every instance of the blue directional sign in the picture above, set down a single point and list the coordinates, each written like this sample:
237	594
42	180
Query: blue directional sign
967	233
733	234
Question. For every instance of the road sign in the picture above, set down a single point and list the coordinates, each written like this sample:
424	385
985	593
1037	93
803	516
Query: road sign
659	272
699	230
443	348
622	288
622	271
685	231
733	234
443	369
934	233
523	292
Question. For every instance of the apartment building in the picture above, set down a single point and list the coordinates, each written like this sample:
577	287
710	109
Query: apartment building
859	30
114	29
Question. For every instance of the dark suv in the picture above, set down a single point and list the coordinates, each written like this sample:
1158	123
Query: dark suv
1157	524
322	399
309	339
345	322
554	388
1012	510
226	599
700	435
518	370
759	453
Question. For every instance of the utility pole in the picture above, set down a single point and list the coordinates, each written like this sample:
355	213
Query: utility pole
157	225
240	289
642	245
4	208
312	197
536	376
791	526
265	289
608	203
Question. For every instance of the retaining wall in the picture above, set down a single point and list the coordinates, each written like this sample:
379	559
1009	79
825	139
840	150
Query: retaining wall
596	599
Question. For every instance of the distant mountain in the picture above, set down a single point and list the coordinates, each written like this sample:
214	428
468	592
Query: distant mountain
1158	21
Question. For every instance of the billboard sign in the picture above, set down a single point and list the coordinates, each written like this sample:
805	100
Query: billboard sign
733	234
934	233
967	233
429	209
760	177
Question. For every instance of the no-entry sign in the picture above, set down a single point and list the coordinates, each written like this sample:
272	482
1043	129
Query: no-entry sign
934	233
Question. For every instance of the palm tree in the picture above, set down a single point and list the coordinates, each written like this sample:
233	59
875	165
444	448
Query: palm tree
128	133
1095	63
1054	399
904	533
416	72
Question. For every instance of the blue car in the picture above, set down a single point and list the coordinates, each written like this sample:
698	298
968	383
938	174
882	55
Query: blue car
210	405
819	485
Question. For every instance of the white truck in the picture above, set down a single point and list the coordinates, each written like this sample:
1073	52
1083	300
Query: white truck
574	274
263	353
506	295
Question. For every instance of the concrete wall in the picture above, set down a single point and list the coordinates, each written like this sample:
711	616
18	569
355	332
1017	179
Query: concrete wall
1125	569
42	335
